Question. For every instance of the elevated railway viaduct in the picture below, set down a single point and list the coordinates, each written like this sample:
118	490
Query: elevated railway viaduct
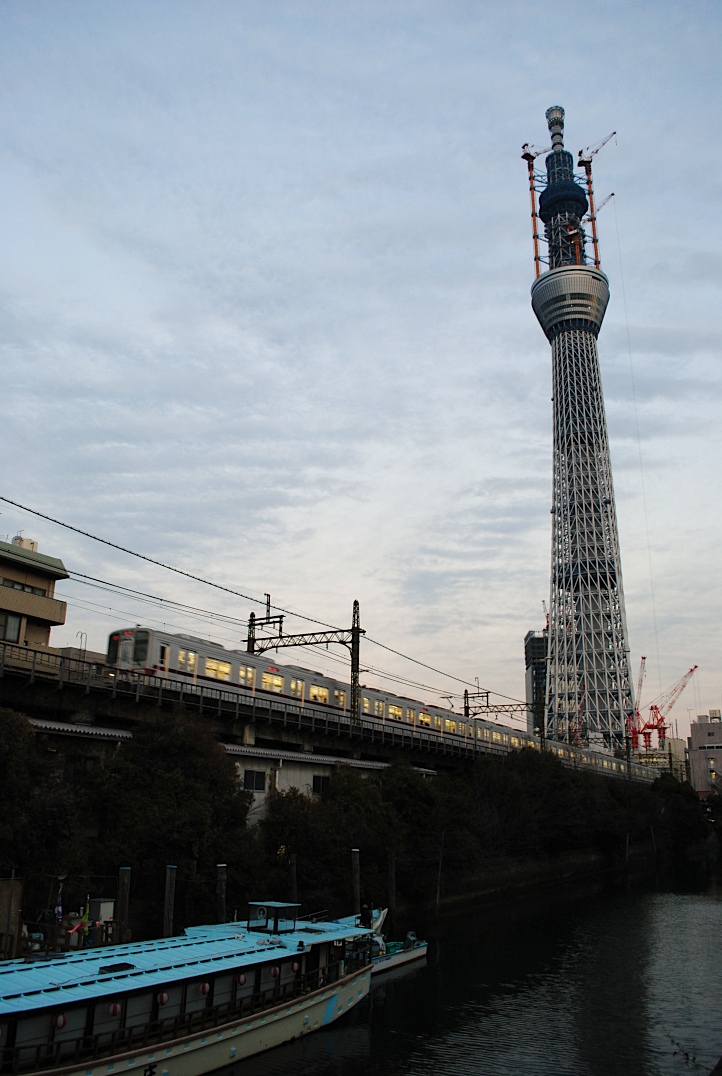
86	707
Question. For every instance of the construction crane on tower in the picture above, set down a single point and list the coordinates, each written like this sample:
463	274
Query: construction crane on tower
634	723
585	162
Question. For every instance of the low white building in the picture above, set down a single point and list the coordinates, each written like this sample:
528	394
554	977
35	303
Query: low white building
705	754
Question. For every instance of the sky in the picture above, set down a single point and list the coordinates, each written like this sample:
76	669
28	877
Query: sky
265	318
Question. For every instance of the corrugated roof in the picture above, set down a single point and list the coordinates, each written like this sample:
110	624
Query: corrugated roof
118	969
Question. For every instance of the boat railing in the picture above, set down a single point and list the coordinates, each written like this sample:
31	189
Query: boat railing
34	1058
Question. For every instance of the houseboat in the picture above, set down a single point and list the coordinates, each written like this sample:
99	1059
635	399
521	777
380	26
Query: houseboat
182	1006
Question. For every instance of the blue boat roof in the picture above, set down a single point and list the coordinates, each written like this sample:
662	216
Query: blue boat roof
113	970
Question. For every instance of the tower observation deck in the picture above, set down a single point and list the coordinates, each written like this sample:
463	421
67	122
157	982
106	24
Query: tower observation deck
589	697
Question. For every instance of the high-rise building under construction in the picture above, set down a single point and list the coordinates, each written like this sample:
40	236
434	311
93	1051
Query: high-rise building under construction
589	696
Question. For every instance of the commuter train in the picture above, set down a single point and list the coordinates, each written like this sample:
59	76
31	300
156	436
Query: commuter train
200	663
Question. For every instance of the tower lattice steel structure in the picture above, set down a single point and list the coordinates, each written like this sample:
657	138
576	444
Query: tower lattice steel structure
589	697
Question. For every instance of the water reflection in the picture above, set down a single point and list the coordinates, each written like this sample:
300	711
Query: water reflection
610	983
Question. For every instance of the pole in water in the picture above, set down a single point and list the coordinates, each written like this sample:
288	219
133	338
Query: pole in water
169	902
356	880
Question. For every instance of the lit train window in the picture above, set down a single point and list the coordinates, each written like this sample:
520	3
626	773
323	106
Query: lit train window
395	712
515	742
496	737
449	725
318	694
410	716
187	658
437	722
297	689
378	708
218	670
246	675
272	682
367	706
424	718
462	728
339	698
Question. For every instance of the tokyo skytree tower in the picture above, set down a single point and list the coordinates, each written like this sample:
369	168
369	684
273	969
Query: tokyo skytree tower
589	698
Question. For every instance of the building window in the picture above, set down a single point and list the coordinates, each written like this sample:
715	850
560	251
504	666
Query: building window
15	585
218	670
297	689
245	675
339	699
318	694
378	708
254	780
272	682
9	627
395	712
320	784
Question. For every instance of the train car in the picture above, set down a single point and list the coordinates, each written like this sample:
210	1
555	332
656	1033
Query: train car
197	662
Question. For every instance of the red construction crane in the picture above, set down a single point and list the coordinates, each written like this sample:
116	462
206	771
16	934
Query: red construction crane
658	711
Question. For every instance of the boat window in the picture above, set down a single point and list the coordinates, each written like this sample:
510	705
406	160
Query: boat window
245	675
318	694
395	712
272	682
218	670
140	647
254	780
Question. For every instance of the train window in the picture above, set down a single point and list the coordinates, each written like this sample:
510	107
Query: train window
339	699
395	712
9	627
410	716
297	688
318	694
424	718
367	706
449	725
113	649
218	670
515	741
272	682
437	722
378	708
254	780
496	736
246	675
164	657
140	647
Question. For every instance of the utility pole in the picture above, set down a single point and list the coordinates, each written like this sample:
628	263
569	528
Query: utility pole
350	639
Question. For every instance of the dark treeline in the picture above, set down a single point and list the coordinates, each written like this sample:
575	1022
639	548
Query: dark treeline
171	796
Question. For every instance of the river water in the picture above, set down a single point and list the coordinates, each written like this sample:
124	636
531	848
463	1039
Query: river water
603	984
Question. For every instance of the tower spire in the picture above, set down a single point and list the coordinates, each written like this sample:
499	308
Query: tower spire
588	694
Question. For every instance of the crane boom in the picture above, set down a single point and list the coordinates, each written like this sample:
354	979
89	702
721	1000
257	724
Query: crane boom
592	151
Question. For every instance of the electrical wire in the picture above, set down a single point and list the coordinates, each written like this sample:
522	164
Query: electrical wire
79	577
